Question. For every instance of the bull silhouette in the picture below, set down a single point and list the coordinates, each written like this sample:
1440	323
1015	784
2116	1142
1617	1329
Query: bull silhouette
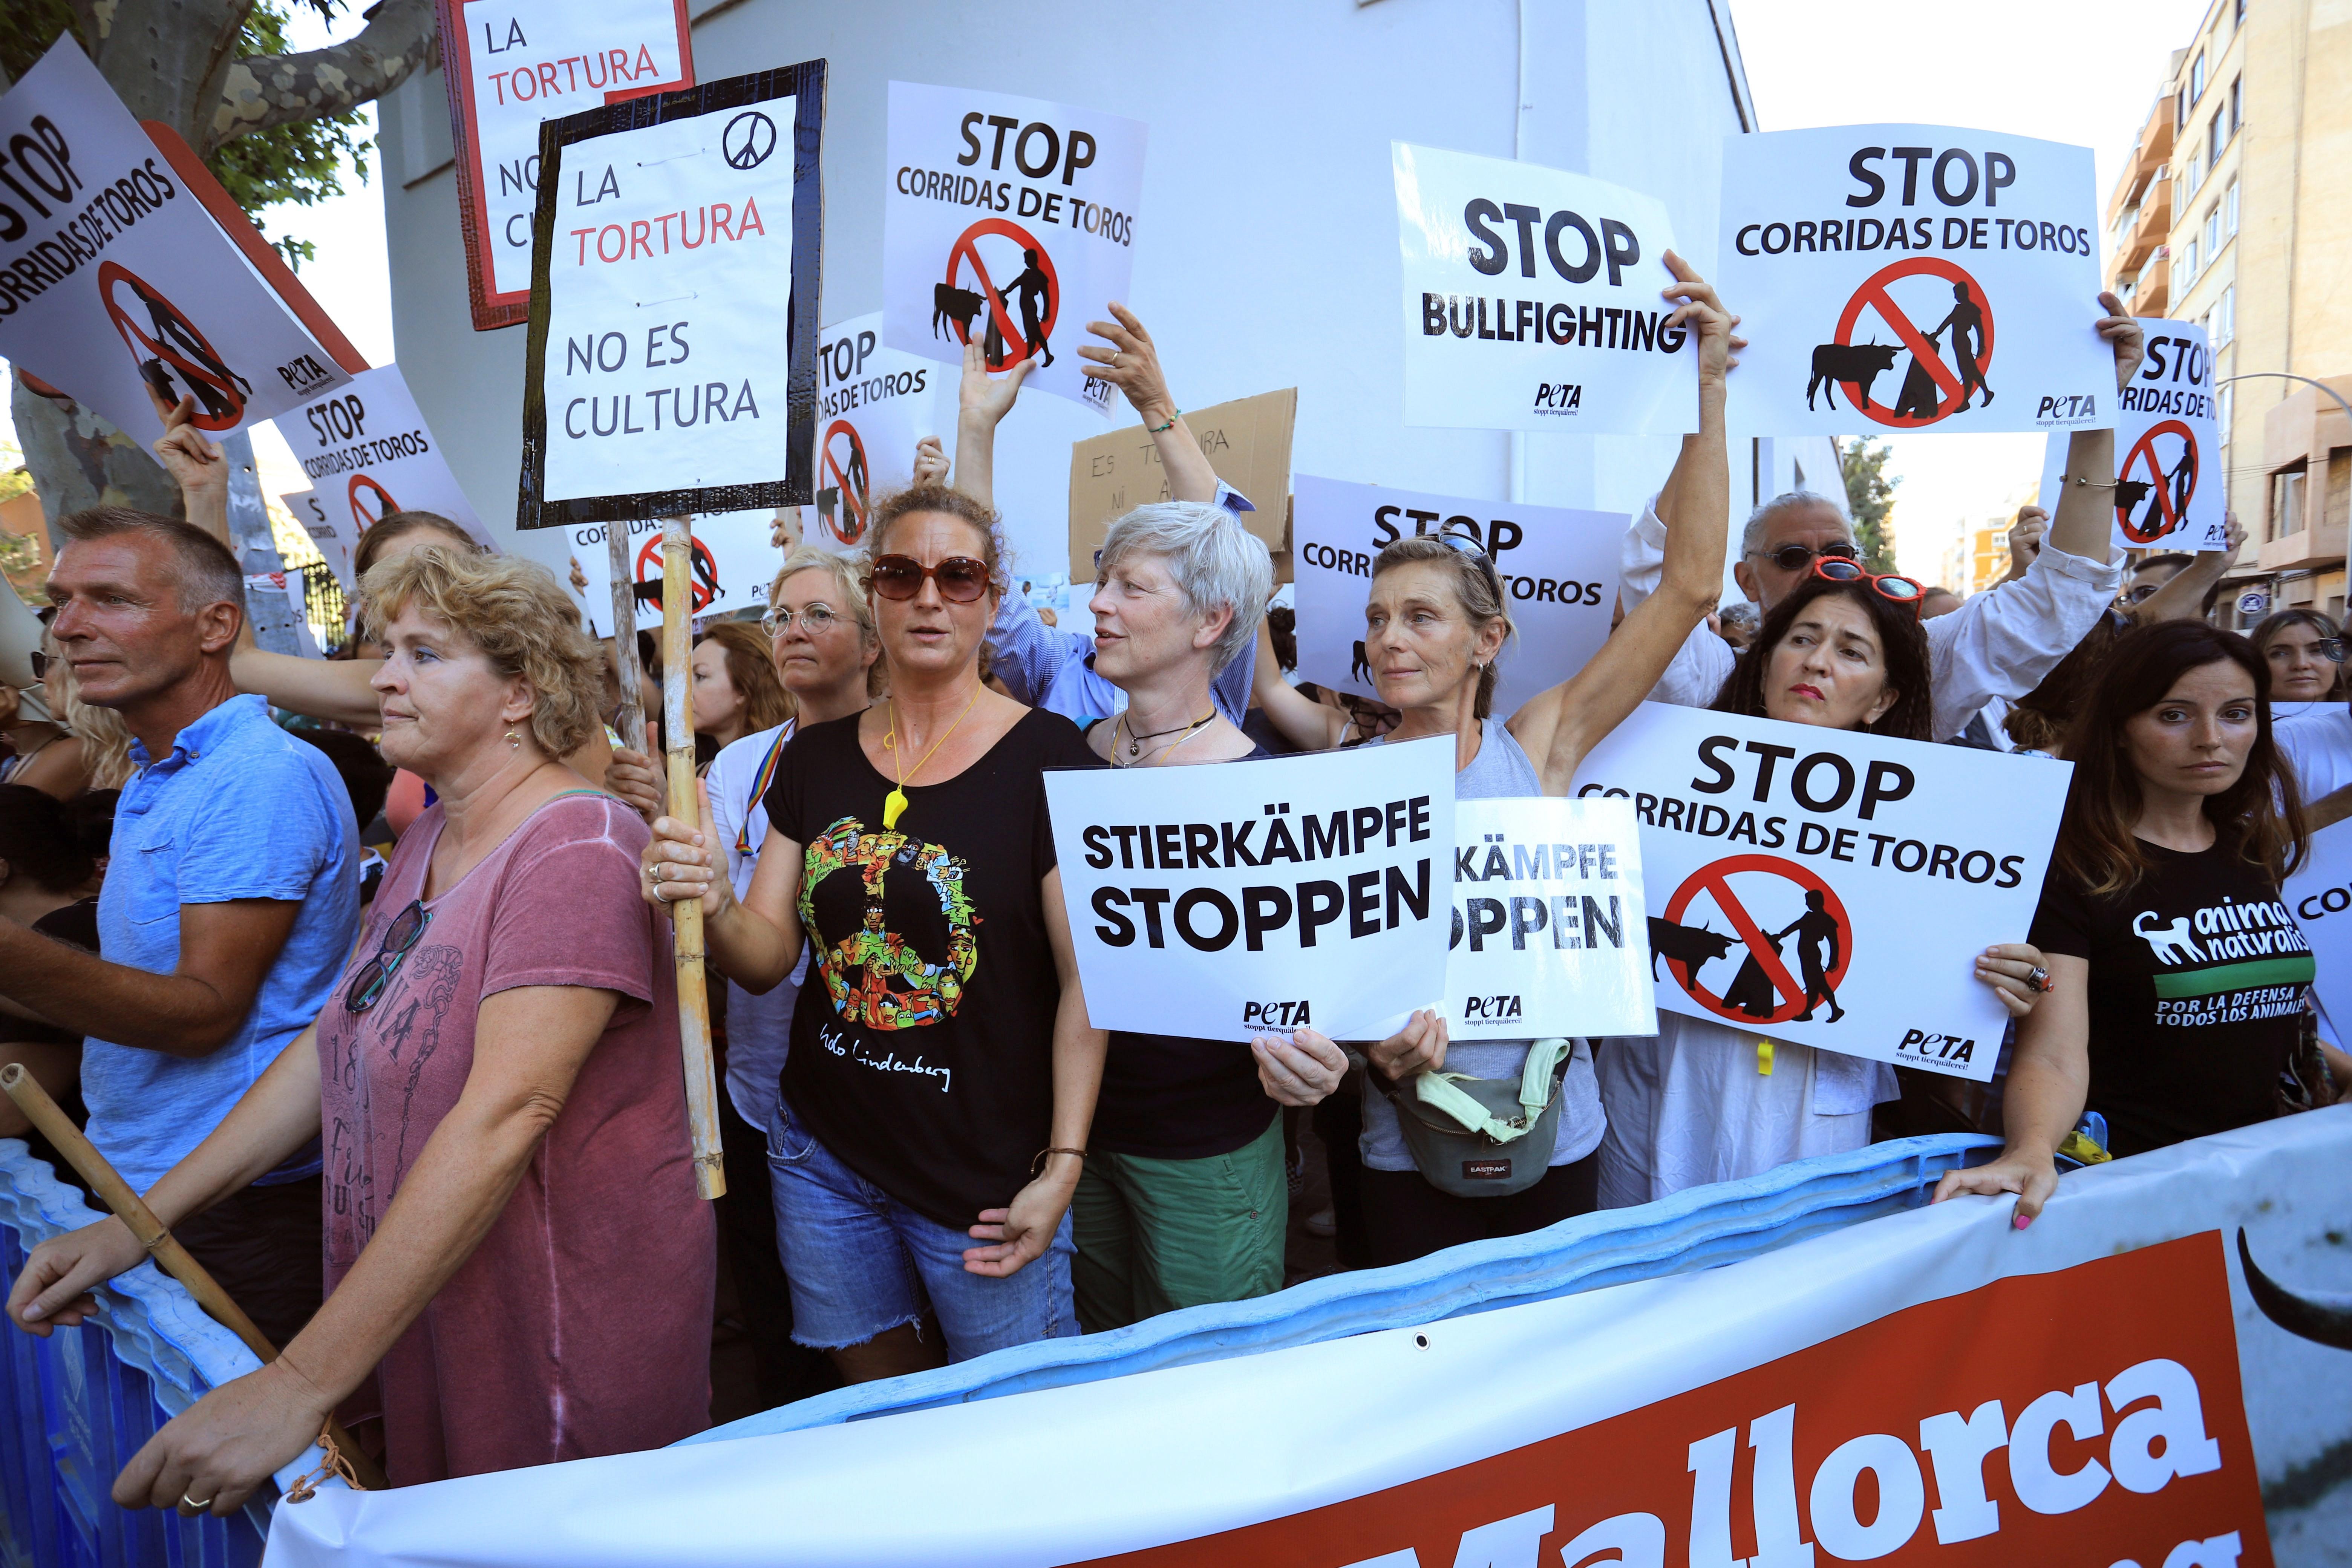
951	303
1691	946
1361	669
2129	493
1858	362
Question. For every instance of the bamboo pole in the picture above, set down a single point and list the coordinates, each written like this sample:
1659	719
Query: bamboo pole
169	1254
632	724
686	915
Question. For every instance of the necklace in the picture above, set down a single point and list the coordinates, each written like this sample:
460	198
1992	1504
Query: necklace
1135	741
895	802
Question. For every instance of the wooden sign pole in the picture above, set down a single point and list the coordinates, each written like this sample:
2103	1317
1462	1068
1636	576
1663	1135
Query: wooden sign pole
686	916
632	723
170	1256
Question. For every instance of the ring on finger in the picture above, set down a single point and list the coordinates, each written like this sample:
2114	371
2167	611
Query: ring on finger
2038	981
199	1504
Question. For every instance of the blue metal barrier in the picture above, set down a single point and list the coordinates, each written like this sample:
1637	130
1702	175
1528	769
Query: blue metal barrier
1705	1227
75	1406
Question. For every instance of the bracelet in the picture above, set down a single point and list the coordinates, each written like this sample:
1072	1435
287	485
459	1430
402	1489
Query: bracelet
1161	430
2090	485
1038	1165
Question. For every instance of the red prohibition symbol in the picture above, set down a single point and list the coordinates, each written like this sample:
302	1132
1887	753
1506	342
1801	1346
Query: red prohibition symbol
1932	380
168	346
1788	990
1006	341
384	505
841	502
703	571
2168	495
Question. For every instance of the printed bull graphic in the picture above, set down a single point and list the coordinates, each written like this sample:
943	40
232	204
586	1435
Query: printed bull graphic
2317	1319
1688	945
1859	362
950	304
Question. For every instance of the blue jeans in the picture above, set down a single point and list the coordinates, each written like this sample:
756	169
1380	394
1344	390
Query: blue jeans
860	1262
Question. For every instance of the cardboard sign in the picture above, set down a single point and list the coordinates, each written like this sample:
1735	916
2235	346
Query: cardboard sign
510	64
1910	277
1830	888
1531	301
732	565
874	403
1558	566
1011	220
330	541
1246	441
672	361
1238	899
2319	895
1551	933
367	453
2169	494
120	278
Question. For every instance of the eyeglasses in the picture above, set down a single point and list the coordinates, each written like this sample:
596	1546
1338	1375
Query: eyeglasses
374	977
960	578
2141	593
816	619
1904	590
1797	557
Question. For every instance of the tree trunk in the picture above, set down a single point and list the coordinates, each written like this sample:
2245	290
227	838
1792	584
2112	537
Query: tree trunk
79	460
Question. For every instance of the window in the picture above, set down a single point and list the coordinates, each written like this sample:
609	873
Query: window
2237	104
2213	232
2179	111
2286	504
2196	79
2188	261
2230	209
2238	10
2225	323
2189	175
2226	404
2217	139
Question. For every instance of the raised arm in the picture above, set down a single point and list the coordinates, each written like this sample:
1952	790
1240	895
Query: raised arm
982	403
1303	721
2183	598
2083	522
1132	365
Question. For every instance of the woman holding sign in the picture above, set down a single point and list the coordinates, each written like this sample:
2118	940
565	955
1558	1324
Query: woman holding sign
1437	619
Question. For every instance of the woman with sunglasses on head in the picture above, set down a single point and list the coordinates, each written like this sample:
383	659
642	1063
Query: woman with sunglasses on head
2306	652
1435	621
939	1085
516	1257
2178	970
1844	650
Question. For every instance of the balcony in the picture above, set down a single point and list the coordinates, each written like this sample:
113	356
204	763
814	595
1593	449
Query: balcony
2154	224
2155	290
2153	153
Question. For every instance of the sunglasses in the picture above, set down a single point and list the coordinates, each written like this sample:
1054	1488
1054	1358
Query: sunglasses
1905	591
1797	557
960	578
374	977
2329	648
1461	546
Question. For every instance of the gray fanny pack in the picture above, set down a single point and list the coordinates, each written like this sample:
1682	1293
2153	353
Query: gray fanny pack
1485	1137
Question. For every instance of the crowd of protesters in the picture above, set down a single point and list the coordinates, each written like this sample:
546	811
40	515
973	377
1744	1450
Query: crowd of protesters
420	1111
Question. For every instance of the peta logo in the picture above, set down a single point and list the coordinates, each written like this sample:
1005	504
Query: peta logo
1274	1015
1489	1009
302	372
1560	397
1945	1051
2075	407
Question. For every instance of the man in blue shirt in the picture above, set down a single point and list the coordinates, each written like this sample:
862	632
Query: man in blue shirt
231	898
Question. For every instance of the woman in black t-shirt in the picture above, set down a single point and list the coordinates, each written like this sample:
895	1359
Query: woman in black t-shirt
941	1074
2177	973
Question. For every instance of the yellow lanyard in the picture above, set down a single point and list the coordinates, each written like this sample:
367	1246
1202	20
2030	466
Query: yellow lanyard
895	802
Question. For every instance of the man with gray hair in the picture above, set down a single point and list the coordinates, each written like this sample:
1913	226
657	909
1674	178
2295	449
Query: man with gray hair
230	902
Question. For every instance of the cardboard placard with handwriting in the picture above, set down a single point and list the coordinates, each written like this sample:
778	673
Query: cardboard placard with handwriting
1247	442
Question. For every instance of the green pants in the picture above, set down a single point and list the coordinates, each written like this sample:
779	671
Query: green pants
1157	1234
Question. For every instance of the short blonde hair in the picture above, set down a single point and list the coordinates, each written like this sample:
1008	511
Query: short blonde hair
517	613
848	574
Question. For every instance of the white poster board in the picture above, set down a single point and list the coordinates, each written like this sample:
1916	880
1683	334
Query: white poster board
874	403
1009	219
1558	566
367	453
510	64
335	543
2319	895
733	565
1231	899
1551	934
1531	300
2170	492
1793	867
1897	278
119	279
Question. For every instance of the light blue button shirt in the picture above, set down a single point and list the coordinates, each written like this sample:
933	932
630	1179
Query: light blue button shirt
239	810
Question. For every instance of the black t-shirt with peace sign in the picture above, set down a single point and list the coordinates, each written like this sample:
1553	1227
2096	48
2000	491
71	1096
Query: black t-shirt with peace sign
2196	994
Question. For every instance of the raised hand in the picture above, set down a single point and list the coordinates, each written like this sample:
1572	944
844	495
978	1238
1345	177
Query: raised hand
930	461
1131	364
1703	313
2126	335
985	398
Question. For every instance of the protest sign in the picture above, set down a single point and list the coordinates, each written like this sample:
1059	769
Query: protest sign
1011	219
874	403
1246	441
1229	900
333	543
1891	863
731	566
1558	568
1877	268
510	64
122	279
1561	274
672	361
2167	437
1549	928
2319	894
366	451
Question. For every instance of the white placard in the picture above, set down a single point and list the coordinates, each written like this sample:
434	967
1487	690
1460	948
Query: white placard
367	453
1235	899
1793	869
2170	492
669	295
2319	895
1531	300
1550	935
733	563
513	63
873	404
1558	567
332	542
1847	250
1009	219
119	281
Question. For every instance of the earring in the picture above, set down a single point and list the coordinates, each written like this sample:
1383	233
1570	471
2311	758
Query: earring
514	740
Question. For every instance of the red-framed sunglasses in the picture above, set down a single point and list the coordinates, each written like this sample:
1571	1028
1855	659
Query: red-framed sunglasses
1904	590
960	578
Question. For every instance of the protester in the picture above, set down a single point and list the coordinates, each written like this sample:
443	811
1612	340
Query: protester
49	882
2038	721
1701	1101
2316	746
938	1094
2176	971
2025	535
1436	620
44	753
1736	623
2183	593
2151	572
515	1247
1937	600
2304	650
735	686
232	895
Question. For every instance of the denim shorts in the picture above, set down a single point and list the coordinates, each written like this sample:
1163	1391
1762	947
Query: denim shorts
860	1262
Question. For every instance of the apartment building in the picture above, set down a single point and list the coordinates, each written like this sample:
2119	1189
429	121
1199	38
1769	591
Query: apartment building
2231	213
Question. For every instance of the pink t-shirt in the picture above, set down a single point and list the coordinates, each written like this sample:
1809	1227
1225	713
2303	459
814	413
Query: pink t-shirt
581	1325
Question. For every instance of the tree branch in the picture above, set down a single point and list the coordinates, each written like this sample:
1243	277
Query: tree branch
286	90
